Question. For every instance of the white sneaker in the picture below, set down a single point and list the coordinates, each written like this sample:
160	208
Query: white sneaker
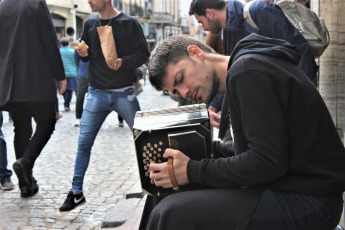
77	122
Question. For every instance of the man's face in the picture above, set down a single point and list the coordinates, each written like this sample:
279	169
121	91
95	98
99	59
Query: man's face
192	79
97	5
213	25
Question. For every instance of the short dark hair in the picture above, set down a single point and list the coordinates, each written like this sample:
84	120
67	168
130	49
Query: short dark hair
199	6
64	41
170	51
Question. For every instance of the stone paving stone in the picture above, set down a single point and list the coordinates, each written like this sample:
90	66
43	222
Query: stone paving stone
28	228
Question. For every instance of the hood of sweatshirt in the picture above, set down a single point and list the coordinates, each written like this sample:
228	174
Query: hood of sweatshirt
257	44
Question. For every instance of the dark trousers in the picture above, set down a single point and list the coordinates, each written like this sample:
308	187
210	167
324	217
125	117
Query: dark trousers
288	211
209	209
81	91
67	95
4	172
27	145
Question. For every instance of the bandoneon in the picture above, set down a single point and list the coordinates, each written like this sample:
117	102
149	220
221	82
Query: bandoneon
186	128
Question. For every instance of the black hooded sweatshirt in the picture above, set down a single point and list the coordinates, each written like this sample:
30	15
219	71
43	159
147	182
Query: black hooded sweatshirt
284	136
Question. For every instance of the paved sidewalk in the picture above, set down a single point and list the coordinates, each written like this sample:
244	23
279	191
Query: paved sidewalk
111	173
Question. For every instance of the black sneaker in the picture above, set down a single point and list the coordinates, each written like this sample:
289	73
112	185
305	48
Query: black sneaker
72	201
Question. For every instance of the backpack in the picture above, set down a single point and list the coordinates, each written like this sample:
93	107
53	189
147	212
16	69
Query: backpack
306	21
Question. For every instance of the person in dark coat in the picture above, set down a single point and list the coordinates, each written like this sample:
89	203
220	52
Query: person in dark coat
215	15
30	70
284	169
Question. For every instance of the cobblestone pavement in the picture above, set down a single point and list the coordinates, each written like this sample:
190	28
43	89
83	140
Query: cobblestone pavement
111	173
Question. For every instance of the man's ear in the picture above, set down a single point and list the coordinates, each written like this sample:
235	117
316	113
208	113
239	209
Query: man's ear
209	13
195	51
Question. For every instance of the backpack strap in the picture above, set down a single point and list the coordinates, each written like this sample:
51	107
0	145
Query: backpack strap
247	17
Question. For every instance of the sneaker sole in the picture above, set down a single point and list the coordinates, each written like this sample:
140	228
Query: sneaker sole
6	188
74	207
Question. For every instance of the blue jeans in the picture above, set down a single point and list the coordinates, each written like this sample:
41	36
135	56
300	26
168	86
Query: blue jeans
4	172
67	95
99	104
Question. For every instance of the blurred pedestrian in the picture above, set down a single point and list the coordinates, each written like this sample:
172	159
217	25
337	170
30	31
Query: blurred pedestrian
58	114
145	72
5	174
216	15
214	109
30	63
83	84
112	74
71	71
120	119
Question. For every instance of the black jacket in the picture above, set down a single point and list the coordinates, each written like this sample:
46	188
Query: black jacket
30	59
130	44
285	138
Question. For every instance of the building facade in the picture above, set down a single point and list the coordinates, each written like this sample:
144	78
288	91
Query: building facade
69	16
159	18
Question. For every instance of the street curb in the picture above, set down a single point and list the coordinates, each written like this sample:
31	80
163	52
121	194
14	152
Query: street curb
120	213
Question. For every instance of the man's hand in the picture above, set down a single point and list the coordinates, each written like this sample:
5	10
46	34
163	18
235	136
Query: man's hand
61	85
214	117
82	52
115	64
160	174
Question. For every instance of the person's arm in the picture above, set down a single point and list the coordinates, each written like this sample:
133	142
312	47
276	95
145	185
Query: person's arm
214	116
215	42
159	172
84	54
265	131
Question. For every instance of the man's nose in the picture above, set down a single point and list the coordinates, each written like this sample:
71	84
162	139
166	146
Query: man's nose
185	92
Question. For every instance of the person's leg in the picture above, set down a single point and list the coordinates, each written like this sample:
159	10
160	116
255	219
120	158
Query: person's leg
22	128
81	91
202	210
126	105
67	99
5	174
144	75
95	111
44	116
28	148
120	119
22	134
288	211
57	111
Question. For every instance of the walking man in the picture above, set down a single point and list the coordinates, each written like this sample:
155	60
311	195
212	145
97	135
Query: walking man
30	69
111	81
